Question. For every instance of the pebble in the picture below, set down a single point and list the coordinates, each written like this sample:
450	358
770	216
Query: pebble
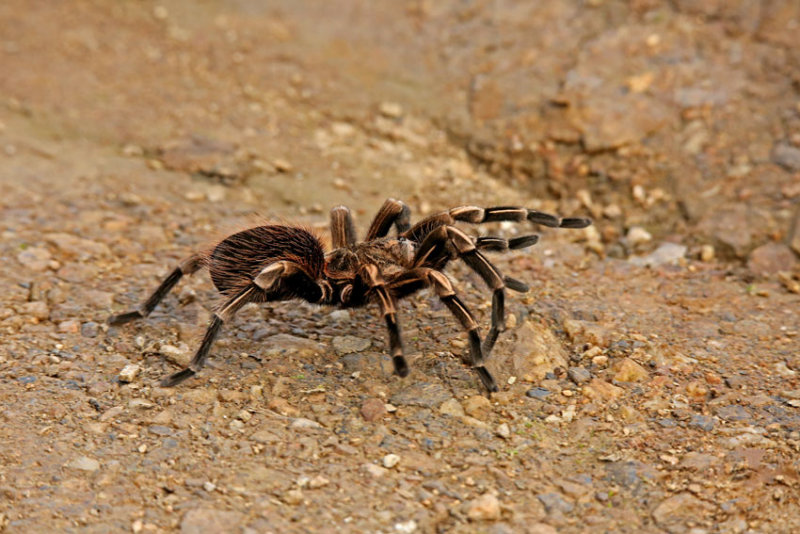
373	409
392	110
35	258
637	236
477	406
484	508
630	371
282	165
555	502
538	393
770	259
665	254
70	326
787	156
602	390
38	310
406	527
77	246
128	373
579	375
349	344
672	513
84	463
318	481
302	423
503	431
90	329
375	471
707	253
452	408
293	497
390	460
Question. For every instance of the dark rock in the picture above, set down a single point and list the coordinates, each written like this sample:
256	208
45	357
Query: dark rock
90	329
538	393
734	413
703	422
579	375
555	502
787	156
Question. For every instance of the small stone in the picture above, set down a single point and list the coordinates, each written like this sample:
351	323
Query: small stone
244	415
787	156
70	326
84	463
177	355
452	408
503	431
392	110
638	236
318	481
665	254
484	508
477	406
37	309
350	344
602	390
390	460
128	373
555	502
373	409
282	165
293	497
406	527
600	361
301	423
707	253
630	371
35	258
421	394
209	486
538	393
674	512
703	422
579	375
375	471
90	329
770	259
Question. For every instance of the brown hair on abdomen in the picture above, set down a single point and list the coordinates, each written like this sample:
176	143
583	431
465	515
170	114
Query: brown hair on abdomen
236	260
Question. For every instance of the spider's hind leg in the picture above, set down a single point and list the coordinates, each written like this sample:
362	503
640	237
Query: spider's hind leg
188	266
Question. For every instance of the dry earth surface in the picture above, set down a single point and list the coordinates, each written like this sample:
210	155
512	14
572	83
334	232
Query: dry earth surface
649	378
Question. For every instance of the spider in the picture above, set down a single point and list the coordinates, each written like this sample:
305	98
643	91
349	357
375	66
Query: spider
281	262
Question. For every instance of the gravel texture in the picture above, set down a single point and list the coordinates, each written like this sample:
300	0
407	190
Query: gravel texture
649	379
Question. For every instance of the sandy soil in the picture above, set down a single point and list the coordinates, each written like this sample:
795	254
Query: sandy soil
649	378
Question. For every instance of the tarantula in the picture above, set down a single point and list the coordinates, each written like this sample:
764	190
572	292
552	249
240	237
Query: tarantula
279	262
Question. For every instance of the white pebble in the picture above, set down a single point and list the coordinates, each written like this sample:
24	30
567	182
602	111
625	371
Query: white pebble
128	373
390	460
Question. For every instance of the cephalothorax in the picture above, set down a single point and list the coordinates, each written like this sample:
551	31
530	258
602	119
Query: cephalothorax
280	262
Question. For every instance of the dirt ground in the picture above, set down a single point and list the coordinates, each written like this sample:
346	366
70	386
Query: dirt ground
649	378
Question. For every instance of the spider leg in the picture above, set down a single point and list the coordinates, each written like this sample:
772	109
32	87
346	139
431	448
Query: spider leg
372	277
498	244
420	277
343	231
265	286
188	266
431	252
477	215
392	212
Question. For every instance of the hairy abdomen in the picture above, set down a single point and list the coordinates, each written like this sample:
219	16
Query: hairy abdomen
235	262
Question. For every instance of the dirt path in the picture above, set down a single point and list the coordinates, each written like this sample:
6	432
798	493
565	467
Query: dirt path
650	377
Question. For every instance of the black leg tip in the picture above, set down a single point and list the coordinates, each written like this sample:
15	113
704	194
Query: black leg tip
400	366
574	222
122	318
487	379
176	378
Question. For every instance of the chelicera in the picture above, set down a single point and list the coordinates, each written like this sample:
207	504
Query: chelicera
282	262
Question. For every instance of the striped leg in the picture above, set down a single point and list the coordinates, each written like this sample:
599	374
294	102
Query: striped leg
343	231
373	279
415	279
188	266
392	212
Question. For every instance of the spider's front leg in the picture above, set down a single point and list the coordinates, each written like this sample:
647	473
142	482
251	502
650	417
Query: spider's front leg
373	279
434	250
392	212
414	280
